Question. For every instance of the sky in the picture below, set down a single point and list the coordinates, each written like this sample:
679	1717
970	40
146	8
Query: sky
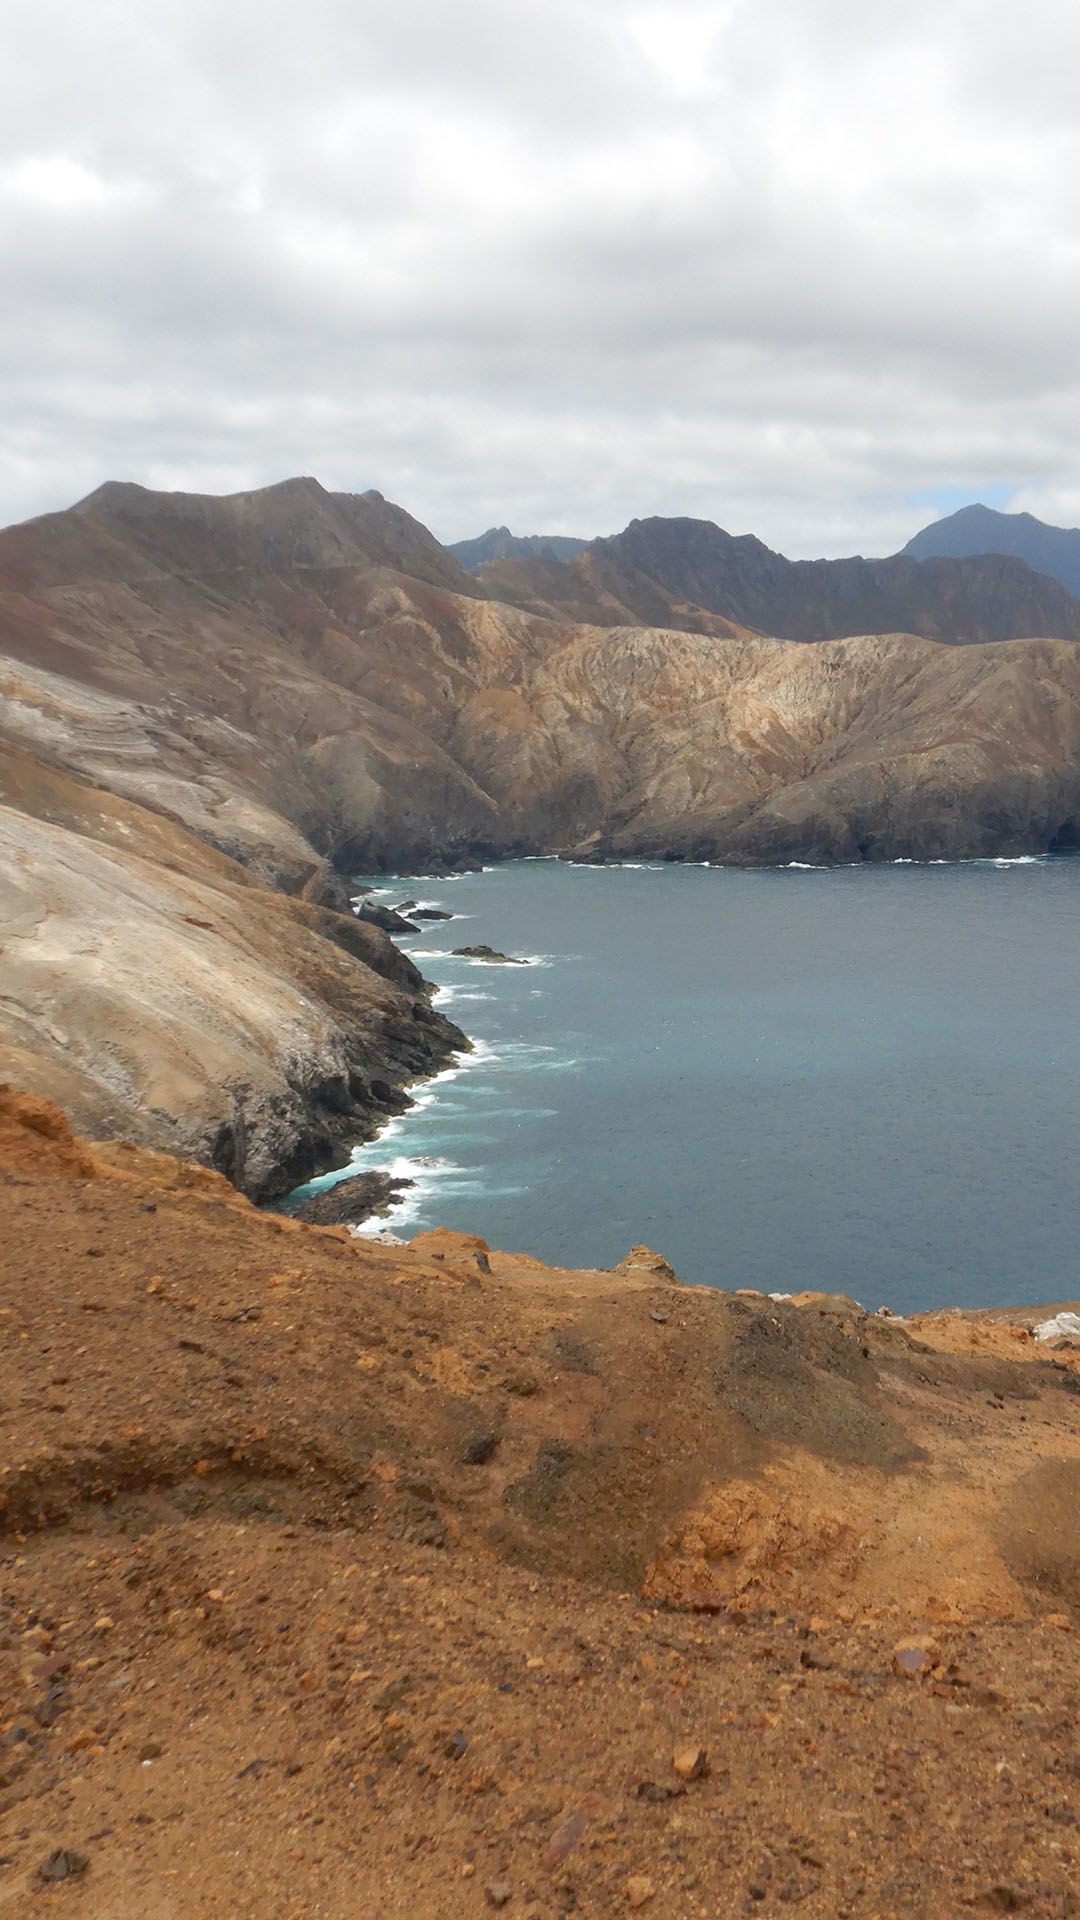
808	268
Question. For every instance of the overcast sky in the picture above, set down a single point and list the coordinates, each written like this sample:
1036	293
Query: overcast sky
810	268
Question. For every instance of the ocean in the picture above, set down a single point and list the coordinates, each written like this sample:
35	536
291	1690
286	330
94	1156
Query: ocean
863	1079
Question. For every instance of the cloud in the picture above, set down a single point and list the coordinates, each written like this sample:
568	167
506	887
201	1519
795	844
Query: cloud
795	269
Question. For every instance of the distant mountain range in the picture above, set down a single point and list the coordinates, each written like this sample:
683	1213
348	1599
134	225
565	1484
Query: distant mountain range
691	575
498	543
978	530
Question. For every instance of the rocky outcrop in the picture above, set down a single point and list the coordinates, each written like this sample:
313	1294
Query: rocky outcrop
387	918
167	995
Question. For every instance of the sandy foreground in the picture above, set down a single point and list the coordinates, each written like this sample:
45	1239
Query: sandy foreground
350	1580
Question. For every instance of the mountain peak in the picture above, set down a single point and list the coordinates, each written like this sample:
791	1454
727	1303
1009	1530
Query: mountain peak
498	543
978	529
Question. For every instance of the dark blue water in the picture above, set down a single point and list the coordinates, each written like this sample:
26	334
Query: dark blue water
865	1079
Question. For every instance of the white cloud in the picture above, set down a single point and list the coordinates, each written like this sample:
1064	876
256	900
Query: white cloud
556	264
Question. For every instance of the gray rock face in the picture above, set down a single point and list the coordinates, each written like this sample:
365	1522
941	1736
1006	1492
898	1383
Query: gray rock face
165	996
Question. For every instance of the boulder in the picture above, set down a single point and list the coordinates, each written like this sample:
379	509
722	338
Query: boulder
350	1201
387	918
642	1260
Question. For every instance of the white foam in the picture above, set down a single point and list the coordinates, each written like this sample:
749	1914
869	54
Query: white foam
1062	1326
424	1171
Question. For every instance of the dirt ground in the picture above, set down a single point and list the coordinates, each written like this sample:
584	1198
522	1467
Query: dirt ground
341	1580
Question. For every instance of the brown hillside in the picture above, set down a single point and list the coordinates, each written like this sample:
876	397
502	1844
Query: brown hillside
393	1581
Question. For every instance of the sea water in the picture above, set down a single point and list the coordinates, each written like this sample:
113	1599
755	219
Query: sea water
861	1079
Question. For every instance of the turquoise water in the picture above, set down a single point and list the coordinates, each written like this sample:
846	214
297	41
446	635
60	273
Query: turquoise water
864	1079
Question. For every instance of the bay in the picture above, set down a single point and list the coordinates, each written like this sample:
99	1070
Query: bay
860	1079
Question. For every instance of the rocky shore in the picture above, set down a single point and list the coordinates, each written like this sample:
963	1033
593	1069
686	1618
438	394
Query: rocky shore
170	995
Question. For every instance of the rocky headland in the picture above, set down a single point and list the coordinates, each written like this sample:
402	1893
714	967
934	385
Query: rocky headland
428	1579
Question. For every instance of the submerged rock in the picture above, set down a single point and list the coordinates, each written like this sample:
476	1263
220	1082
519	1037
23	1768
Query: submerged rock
489	954
350	1201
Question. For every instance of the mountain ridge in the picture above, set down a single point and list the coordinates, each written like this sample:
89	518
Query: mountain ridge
691	574
498	543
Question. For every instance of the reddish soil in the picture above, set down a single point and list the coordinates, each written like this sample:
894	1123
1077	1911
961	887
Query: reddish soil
348	1580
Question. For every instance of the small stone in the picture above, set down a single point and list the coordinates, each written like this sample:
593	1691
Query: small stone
913	1659
103	1624
1002	1898
638	1889
499	1893
216	1594
82	1741
64	1863
690	1762
569	1832
524	1385
456	1746
656	1794
151	1750
479	1448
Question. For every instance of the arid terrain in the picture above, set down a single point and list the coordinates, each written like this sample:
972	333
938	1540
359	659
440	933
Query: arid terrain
403	1581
